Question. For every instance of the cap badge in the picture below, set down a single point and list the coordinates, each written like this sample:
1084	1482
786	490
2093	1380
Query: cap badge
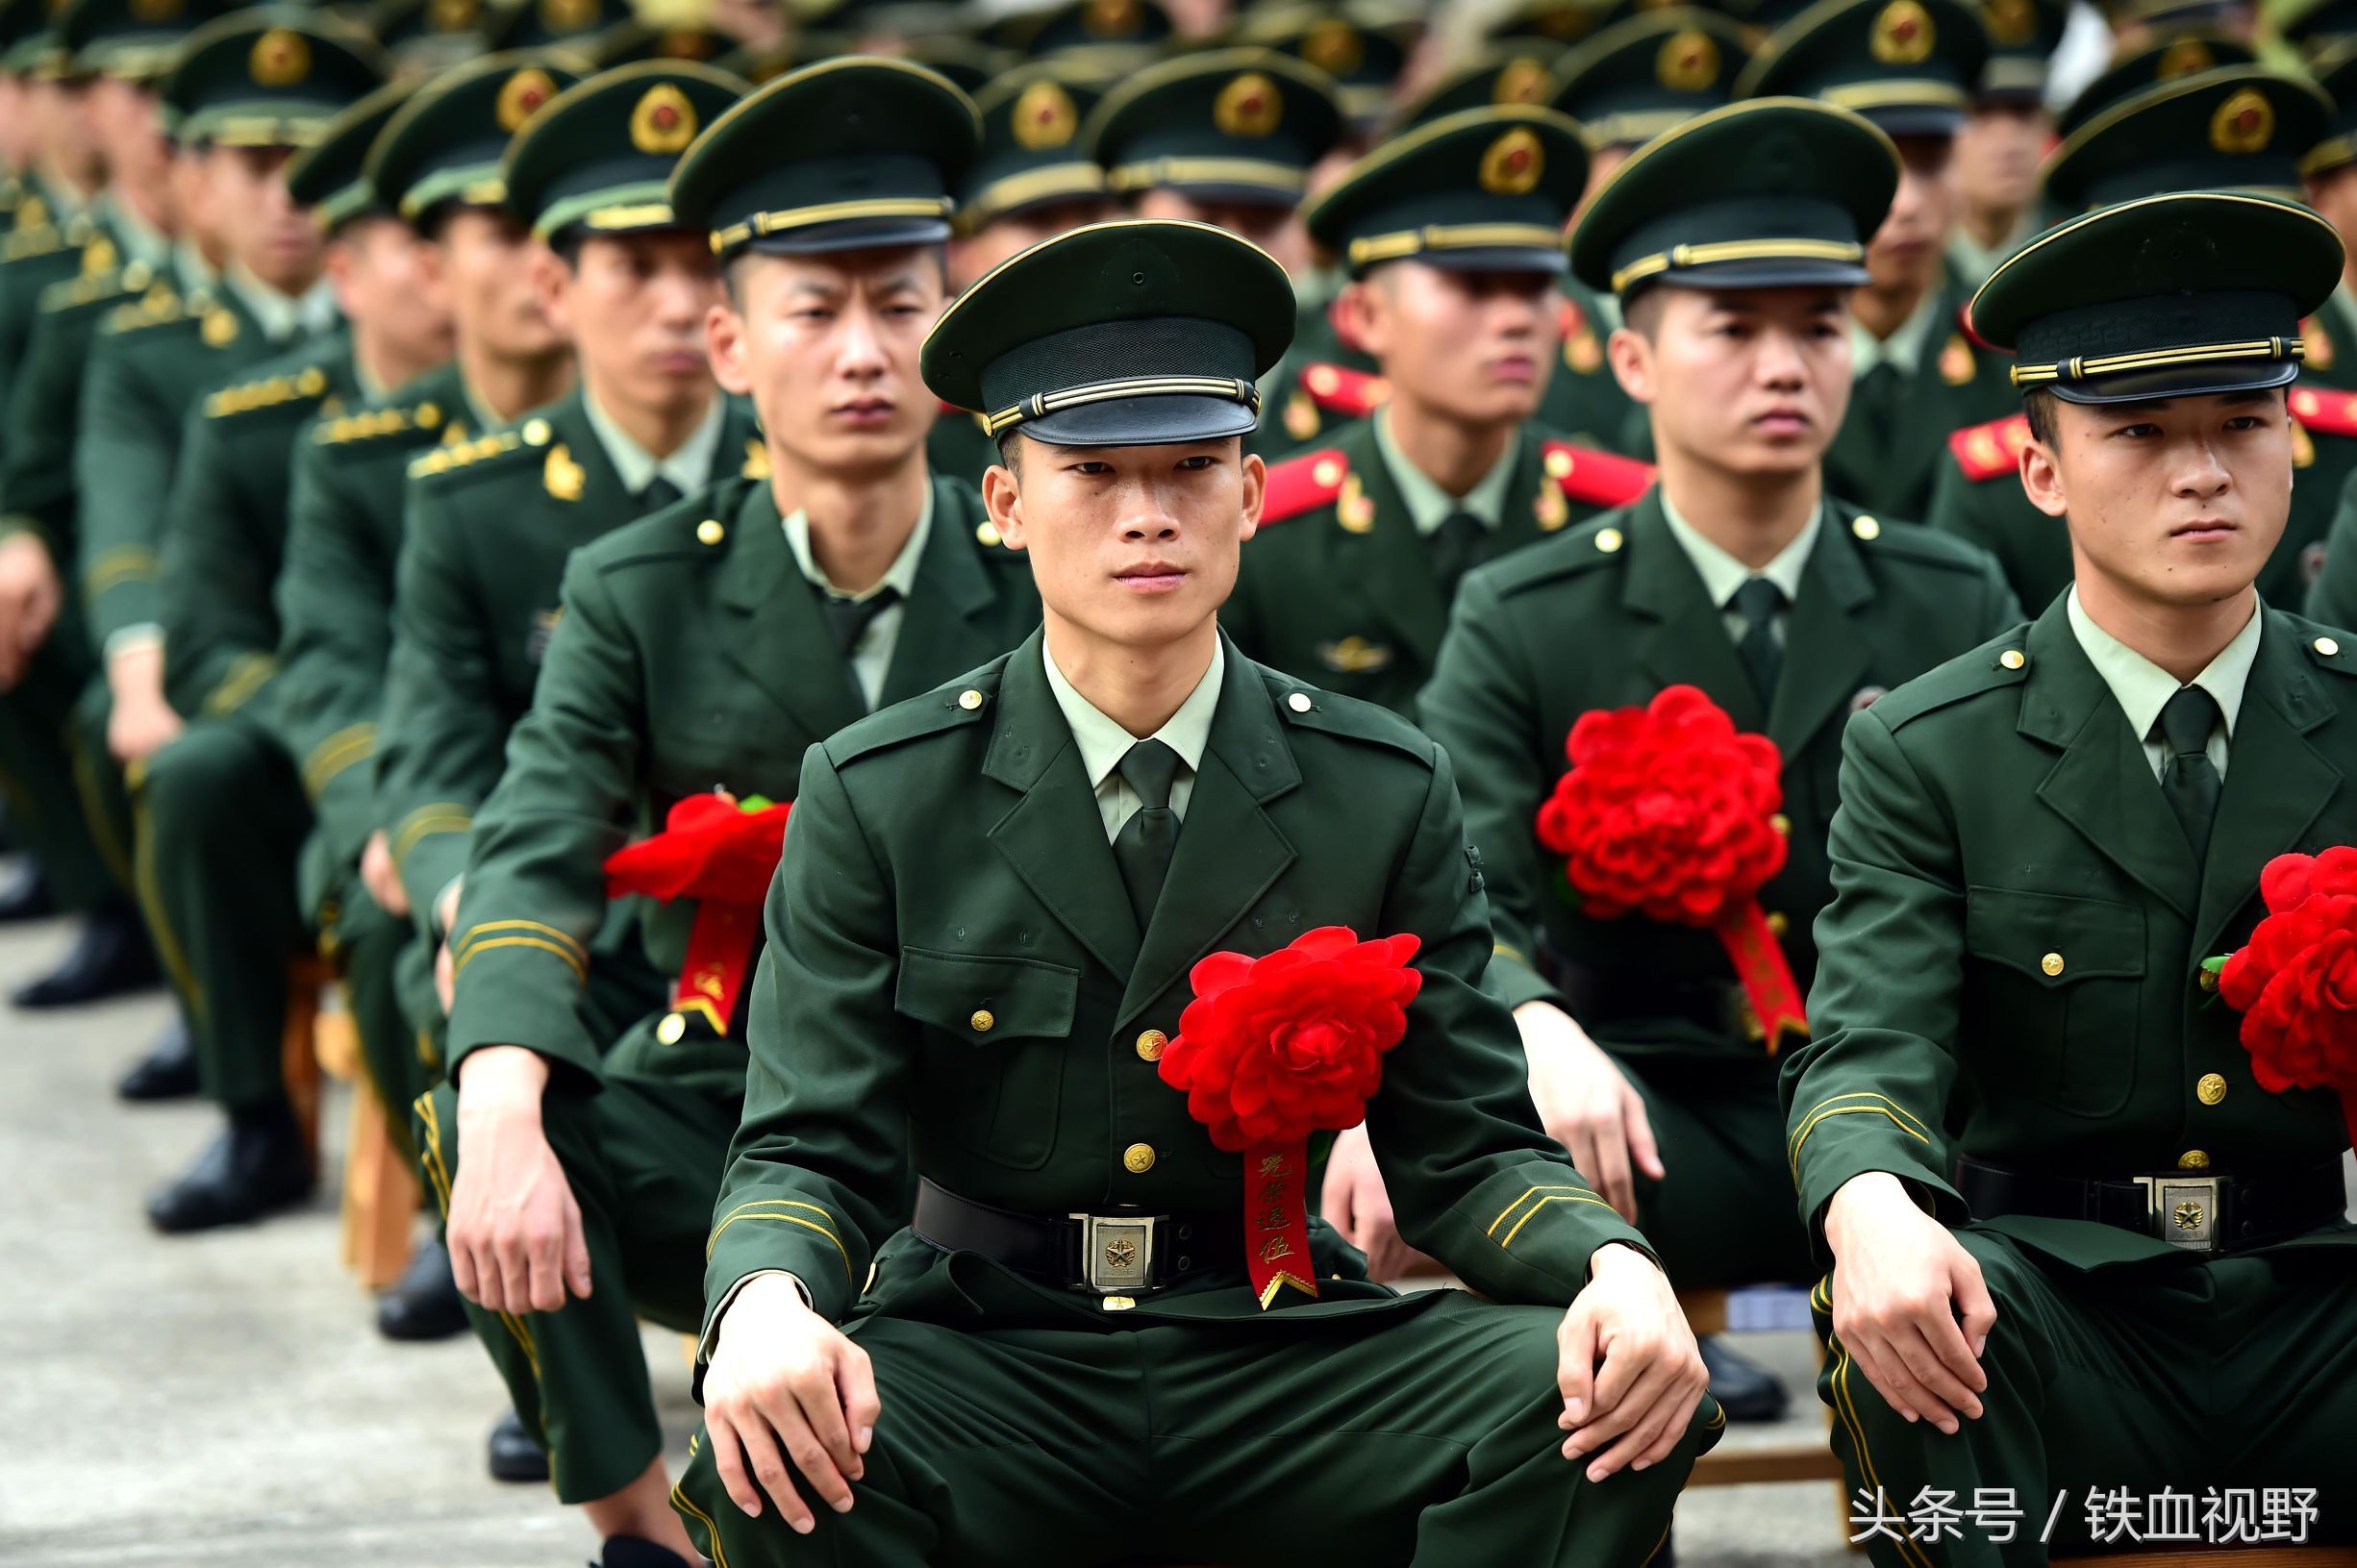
525	92
663	123
1902	33
1334	46
2184	57
1045	117
1523	81
453	15
1688	62
2010	22
155	10
280	58
1512	165
568	15
1249	106
1111	18
2244	123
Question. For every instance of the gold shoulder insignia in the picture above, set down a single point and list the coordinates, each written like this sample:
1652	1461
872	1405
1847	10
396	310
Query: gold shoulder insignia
27	242
562	475
270	392
756	460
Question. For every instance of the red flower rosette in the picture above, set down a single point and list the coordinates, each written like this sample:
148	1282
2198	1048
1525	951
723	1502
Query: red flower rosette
2296	982
1275	1048
1669	811
722	853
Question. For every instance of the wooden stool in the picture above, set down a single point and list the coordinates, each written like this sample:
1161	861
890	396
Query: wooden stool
1707	1311
381	1193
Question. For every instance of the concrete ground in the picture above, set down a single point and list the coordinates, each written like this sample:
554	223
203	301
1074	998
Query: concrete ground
225	1399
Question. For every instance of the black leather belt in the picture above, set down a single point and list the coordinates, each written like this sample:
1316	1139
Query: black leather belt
2197	1212
1119	1252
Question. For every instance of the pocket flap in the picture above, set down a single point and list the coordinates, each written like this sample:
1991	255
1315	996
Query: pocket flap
984	999
2053	937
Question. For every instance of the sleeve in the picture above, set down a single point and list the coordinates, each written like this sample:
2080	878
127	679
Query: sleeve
334	604
35	474
536	883
824	1142
2332	598
1871	1091
213	593
1480	705
1474	1178
444	727
123	463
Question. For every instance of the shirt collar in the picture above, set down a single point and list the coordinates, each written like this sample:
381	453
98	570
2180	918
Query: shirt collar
2143	688
1974	261
689	468
1103	742
1722	574
900	576
282	317
135	238
1903	349
193	270
1428	505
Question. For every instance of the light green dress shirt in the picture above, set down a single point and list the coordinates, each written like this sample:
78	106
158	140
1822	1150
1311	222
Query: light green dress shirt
2141	688
1103	742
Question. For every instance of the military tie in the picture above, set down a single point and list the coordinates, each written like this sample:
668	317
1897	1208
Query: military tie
848	621
1144	846
1456	547
659	492
2189	780
1758	601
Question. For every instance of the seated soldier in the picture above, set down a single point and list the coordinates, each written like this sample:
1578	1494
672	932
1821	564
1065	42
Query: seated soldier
702	648
1097	1331
2077	1246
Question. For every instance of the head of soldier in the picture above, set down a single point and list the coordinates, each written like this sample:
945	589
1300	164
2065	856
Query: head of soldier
2155	340
64	140
1117	365
1452	238
826	196
1733	243
1033	178
123	51
1648	73
1227	138
400	327
2329	170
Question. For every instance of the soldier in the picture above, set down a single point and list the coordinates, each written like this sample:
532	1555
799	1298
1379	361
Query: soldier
2328	181
1035	853
1909	66
2074	1242
248	89
2002	138
2239	126
1451	234
703	647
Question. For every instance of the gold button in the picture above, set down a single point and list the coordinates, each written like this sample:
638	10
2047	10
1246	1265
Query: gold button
1322	380
981	1020
2326	646
1150	1044
1782	824
673	1028
969	700
1866	528
2210	1090
2051	963
1137	1158
1608	539
536	432
2012	658
987	534
1558	464
1300	702
1778	923
428	415
709	532
2193	1159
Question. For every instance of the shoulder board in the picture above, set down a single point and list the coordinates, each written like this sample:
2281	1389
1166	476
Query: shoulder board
2324	412
1987	451
1303	484
24	244
1312	708
1339	389
2328	647
964	701
94	288
1595	543
1596	478
1915	543
464	455
421	420
2002	660
159	307
294	392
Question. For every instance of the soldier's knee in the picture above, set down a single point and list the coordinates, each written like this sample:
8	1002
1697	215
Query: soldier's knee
200	778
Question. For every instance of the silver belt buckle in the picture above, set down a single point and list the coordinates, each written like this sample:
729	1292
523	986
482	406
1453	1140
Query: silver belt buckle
1117	1253
2182	1211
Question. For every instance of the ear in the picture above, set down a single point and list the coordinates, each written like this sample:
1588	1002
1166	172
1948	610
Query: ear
724	345
1631	358
1359	309
1002	497
339	262
551	281
1256	494
2041	478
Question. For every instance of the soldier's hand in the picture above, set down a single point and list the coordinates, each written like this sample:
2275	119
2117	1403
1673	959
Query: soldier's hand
445	976
516	1242
785	1384
1909	1303
29	599
1588	1104
383	880
1630	1372
1357	1205
141	722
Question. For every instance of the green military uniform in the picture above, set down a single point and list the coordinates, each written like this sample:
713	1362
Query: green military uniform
2330	367
2180	55
948	878
2008	1009
1362	46
1909	66
2162	138
2022	37
691	651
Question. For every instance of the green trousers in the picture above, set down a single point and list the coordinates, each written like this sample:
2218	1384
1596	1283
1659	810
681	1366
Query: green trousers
65	788
644	1157
1426	1438
1724	1216
2234	1373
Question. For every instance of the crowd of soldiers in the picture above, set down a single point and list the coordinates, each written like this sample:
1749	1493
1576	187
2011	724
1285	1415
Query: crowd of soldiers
444	438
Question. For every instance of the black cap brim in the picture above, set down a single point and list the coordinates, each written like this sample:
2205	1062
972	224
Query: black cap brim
1779	273
1549	260
1916	120
2197	381
862	235
1144	421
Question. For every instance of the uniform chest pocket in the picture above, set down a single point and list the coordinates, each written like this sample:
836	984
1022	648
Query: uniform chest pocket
996	1029
2053	988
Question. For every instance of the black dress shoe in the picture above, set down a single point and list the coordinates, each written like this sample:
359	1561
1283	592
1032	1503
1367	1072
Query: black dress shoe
167	1072
25	896
111	958
1747	1391
257	1166
423	1303
514	1454
638	1552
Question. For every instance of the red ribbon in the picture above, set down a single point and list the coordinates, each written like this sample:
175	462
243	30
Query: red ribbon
722	854
1759	967
1276	1220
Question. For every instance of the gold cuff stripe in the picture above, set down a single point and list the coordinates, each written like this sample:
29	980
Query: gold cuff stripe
579	968
1557	1198
1453	237
2262	349
802	217
1845	1110
1526	1197
1039	405
443	816
572	943
1737	250
124	563
782	1219
1499	950
1911	1119
779	1202
245	679
356	743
